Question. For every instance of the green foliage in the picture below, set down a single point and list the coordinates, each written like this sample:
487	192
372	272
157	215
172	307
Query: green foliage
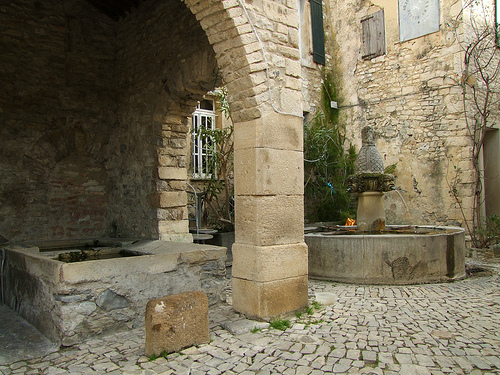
490	232
329	161
222	102
281	324
390	169
219	187
153	356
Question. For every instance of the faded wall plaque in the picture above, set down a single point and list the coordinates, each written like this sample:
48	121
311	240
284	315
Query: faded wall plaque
417	18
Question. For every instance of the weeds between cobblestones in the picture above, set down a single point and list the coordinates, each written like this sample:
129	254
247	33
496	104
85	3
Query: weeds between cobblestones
449	328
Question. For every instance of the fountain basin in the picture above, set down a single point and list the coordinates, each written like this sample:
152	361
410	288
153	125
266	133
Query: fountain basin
71	301
418	254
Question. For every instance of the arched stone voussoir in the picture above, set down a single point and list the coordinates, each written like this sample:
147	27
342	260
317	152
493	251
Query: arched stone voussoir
234	43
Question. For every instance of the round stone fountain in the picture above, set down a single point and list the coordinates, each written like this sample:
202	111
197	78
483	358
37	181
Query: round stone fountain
373	253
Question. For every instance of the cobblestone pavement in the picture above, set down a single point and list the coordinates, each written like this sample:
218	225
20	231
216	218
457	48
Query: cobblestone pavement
451	328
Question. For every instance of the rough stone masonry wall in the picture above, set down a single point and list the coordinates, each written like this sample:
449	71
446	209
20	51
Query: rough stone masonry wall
411	98
57	106
93	119
165	65
69	302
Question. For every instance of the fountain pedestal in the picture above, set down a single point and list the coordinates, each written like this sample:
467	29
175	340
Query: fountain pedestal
371	212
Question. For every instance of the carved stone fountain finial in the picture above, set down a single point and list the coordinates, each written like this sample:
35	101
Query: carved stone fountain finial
369	159
370	182
369	167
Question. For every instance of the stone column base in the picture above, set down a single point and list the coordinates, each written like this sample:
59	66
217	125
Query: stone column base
268	300
269	281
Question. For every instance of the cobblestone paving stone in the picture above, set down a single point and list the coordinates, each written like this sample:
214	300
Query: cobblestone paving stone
451	328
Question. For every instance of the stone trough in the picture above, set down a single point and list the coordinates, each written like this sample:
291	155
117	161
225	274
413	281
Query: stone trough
418	254
71	301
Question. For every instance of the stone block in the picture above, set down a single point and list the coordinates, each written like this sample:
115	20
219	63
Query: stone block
173	198
264	171
176	322
268	263
172	173
166	228
109	300
290	97
268	300
273	131
270	220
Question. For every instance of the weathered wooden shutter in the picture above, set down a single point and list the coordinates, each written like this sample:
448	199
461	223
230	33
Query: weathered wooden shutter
373	35
318	34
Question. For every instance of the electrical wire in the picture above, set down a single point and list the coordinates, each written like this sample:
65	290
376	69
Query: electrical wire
267	65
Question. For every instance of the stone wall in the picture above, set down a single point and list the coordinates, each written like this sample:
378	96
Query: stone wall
412	98
93	119
165	65
57	105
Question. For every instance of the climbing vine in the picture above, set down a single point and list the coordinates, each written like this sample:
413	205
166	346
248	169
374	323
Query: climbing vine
481	98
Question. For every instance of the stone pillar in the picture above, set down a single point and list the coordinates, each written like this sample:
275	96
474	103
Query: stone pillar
171	211
269	254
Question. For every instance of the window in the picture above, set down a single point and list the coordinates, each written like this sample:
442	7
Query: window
373	35
203	119
318	33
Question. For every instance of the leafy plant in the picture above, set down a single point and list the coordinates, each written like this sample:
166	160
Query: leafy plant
281	324
491	230
153	356
219	188
329	161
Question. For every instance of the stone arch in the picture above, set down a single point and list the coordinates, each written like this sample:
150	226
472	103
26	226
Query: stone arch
269	256
237	50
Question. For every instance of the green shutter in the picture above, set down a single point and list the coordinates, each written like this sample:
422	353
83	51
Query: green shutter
318	34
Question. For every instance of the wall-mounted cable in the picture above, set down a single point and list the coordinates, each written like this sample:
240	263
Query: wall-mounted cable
267	65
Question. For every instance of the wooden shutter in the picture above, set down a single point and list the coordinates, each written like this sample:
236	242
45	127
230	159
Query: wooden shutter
318	34
373	35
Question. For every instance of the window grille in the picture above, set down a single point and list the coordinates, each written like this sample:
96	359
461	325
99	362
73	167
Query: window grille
203	120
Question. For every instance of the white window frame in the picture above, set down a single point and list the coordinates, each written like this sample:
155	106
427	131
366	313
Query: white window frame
202	118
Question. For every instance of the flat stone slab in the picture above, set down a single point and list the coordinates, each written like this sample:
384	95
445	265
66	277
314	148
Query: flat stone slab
20	340
176	322
240	327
